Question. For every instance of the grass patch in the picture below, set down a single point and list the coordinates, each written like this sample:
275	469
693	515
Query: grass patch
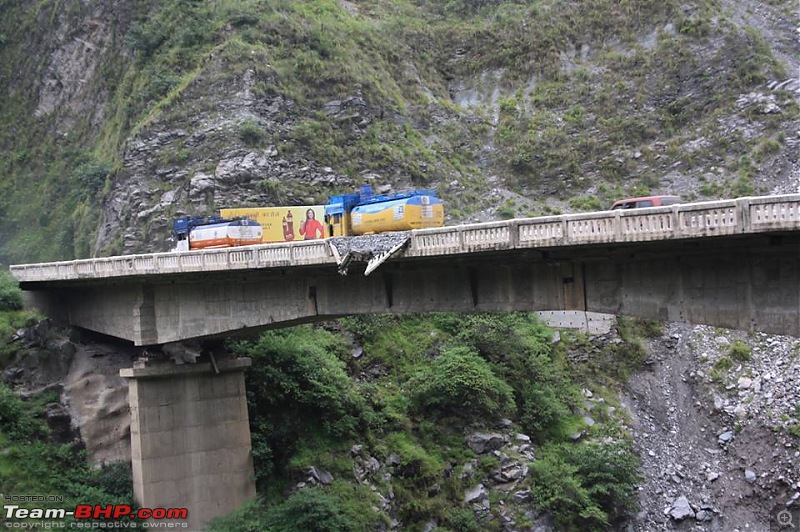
740	351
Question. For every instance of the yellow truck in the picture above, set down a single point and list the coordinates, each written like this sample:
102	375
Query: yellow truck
284	224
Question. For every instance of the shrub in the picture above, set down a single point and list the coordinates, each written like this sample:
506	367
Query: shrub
648	328
610	473
89	178
146	37
297	388
116	479
460	382
557	489
463	520
542	411
250	132
308	509
739	351
506	212
519	348
15	420
10	294
248	518
586	203
415	462
586	486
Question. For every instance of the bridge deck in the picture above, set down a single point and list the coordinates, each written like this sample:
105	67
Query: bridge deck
686	221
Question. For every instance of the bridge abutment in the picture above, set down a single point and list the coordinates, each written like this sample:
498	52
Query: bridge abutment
190	438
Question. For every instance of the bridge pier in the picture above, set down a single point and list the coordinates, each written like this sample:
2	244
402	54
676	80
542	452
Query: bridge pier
190	438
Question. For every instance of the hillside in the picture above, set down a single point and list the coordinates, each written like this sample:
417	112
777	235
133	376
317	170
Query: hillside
120	116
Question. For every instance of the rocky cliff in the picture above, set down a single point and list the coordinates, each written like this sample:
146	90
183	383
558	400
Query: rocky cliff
135	113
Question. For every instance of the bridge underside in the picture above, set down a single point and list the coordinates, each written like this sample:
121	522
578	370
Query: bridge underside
750	283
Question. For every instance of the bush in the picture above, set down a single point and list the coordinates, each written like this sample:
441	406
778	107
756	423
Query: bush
15	420
460	382
739	351
116	479
586	486
415	462
250	132
297	388
10	294
90	178
519	347
310	510
248	518
586	203
632	329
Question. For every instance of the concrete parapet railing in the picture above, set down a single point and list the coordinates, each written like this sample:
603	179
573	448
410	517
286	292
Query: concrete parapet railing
782	213
250	257
691	220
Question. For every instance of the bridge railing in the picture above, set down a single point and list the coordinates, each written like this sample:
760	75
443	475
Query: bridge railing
690	220
250	257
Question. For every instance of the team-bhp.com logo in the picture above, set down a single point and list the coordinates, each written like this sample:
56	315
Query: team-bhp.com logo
87	515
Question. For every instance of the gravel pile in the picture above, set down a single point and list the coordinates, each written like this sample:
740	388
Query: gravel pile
372	249
368	246
714	425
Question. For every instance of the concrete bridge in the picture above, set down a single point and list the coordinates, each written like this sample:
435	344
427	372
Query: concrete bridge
729	263
725	263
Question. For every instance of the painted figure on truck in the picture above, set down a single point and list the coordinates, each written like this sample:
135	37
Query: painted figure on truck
311	228
272	220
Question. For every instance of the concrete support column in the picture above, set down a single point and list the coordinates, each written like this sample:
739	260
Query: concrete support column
190	438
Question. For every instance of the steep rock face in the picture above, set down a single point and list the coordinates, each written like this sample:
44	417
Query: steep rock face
244	110
216	167
74	62
97	398
92	399
74	47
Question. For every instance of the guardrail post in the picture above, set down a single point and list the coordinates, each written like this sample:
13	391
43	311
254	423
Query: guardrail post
513	234
565	236
743	215
677	230
461	245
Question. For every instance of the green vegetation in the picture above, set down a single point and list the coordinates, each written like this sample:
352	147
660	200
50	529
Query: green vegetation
10	294
720	369
298	389
586	486
614	363
31	464
429	377
588	203
459	382
309	509
251	133
12	317
406	400
739	351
